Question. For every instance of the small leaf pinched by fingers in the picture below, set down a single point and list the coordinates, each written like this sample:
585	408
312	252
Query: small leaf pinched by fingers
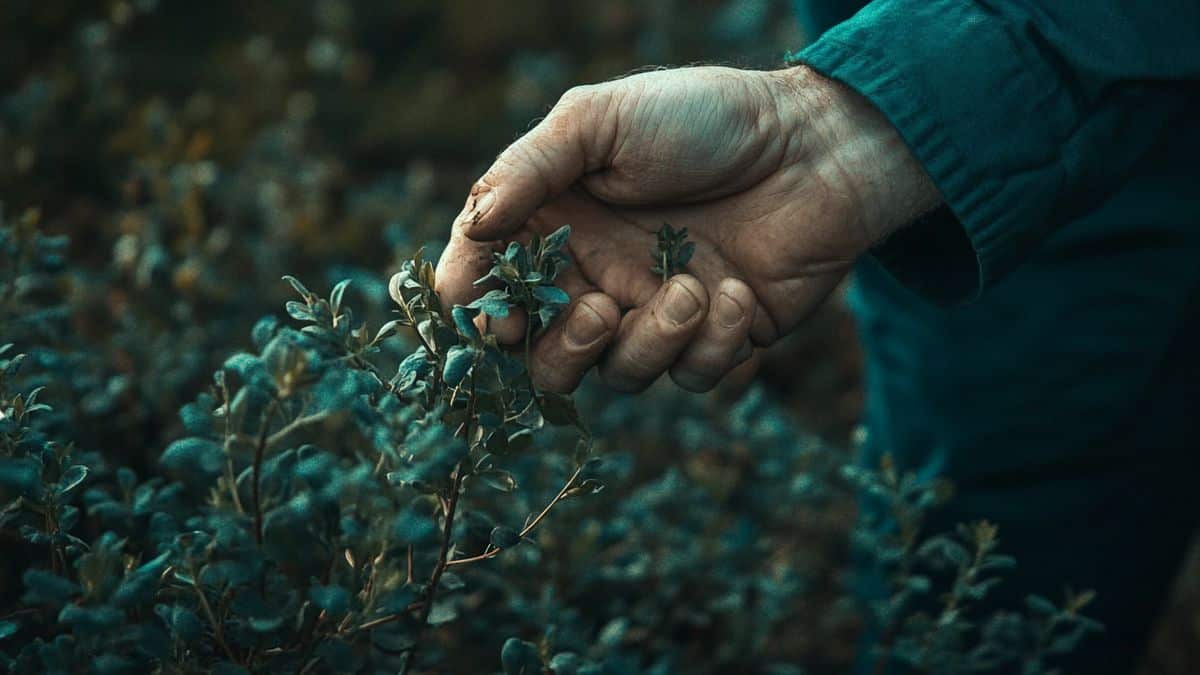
672	251
527	274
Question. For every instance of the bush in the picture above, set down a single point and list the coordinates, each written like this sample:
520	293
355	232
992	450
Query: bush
188	486
337	499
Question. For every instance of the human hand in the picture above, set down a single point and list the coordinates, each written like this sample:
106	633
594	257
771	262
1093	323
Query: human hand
782	178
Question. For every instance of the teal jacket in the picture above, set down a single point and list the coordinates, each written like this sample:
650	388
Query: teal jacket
1038	339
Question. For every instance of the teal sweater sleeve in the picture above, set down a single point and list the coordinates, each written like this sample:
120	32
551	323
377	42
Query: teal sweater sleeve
1026	114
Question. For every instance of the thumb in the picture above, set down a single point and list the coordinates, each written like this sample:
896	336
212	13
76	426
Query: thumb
573	139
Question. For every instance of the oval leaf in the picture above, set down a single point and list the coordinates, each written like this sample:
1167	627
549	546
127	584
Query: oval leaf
504	537
458	362
72	478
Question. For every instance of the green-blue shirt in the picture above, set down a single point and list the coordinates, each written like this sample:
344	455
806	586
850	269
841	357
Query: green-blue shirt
1036	340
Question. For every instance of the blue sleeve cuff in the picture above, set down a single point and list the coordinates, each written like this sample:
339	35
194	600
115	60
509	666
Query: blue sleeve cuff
948	78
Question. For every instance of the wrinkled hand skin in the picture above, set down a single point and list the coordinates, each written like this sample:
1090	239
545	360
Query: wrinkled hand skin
782	178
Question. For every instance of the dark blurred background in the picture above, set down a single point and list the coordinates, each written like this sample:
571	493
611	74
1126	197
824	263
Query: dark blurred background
196	151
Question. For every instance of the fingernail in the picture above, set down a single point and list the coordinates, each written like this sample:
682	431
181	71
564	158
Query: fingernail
680	304
729	312
483	204
585	326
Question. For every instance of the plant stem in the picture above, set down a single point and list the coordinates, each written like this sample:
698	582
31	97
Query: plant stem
490	552
528	340
436	576
51	528
295	424
229	472
375	623
218	634
259	451
447	535
911	525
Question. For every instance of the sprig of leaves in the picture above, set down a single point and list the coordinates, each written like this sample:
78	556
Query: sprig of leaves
913	562
319	508
672	251
527	275
293	553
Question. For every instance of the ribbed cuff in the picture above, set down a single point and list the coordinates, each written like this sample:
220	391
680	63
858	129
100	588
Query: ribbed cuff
935	85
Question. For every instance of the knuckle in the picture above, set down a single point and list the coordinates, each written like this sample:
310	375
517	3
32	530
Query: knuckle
707	360
551	372
530	157
631	370
578	95
692	381
580	107
643	359
557	383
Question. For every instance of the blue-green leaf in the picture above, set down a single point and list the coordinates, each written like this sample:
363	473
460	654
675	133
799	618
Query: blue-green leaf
42	587
498	479
520	658
413	527
504	537
458	362
299	311
386	330
72	478
494	303
193	454
685	254
551	295
335	297
333	599
464	321
558	238
181	620
23	476
265	624
300	288
442	612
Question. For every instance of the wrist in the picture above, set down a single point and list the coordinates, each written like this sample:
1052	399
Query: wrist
853	147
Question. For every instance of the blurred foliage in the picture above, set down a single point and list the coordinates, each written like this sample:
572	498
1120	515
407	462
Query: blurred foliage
190	482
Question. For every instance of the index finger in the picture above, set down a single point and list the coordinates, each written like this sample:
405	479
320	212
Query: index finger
570	141
537	167
462	262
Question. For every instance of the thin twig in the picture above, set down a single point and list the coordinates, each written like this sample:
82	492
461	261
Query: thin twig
528	339
229	472
447	535
438	569
375	623
218	633
259	451
490	552
409	578
295	424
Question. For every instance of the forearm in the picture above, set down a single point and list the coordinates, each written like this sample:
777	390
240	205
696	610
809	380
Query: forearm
1025	114
861	150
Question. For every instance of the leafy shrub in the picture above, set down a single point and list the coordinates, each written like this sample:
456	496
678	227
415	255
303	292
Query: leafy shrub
383	489
326	510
